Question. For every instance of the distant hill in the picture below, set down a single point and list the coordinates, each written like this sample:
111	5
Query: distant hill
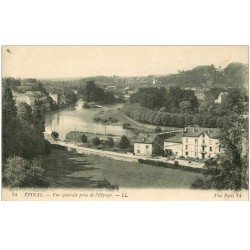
234	75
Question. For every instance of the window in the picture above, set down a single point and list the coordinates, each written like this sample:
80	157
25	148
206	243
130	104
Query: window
146	146
210	149
196	140
203	141
138	151
203	135
186	140
186	153
186	146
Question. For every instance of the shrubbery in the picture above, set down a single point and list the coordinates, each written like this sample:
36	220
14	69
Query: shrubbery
18	172
145	115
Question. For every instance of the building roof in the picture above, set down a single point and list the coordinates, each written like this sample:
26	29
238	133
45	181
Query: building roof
145	138
197	131
177	138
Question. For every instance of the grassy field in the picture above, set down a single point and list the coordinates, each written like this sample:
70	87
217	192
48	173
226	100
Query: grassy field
69	170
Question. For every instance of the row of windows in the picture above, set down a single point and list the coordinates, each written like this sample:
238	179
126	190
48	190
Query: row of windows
196	155
203	148
196	141
146	146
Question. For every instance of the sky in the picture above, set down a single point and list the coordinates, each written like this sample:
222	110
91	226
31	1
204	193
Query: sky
83	61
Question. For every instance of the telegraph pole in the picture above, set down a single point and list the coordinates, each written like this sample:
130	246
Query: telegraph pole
105	122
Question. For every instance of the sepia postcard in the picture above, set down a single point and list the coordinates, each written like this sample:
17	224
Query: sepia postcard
124	123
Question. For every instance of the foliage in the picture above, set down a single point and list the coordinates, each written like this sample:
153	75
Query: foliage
92	93
234	75
234	101
84	138
10	137
165	100
95	141
157	129
124	142
199	183
145	115
71	98
185	106
12	82
109	142
230	170
126	125
19	172
55	134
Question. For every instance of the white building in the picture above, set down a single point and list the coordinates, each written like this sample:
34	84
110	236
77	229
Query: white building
147	144
194	142
29	97
200	95
221	97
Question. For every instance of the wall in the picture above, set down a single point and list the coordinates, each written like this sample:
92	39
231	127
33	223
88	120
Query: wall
145	149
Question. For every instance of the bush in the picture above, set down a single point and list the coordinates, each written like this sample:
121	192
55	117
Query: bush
199	183
96	141
21	173
84	138
124	142
55	134
109	142
157	129
126	125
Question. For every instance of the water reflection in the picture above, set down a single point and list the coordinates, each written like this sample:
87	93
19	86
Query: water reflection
81	120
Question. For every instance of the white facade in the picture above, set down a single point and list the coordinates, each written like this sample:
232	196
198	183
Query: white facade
200	96
54	97
202	147
220	97
143	149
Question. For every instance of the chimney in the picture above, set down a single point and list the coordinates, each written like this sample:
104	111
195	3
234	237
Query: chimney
185	129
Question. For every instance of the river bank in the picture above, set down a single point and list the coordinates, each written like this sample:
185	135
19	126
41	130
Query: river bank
116	116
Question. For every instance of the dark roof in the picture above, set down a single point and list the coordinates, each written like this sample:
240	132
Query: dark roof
145	138
177	138
197	131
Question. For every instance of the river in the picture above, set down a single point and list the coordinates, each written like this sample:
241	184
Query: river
80	119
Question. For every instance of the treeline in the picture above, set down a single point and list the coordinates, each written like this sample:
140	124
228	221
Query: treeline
22	140
234	75
90	92
173	99
161	118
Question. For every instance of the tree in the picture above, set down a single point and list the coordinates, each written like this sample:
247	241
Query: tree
185	106
230	170
84	138
96	141
19	172
55	134
234	101
109	142
124	142
24	113
10	140
71	98
157	129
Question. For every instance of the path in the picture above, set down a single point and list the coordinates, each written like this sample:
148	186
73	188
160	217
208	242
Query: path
119	156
